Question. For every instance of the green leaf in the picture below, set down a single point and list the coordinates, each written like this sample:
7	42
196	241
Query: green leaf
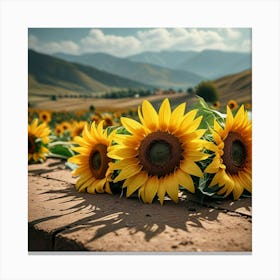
61	150
122	130
204	188
208	118
199	104
110	129
208	114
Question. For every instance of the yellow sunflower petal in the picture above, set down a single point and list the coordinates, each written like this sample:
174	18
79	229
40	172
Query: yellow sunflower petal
177	116
150	189
122	153
185	180
150	115
132	126
214	166
172	187
237	190
161	190
135	182
164	115
219	179
128	172
123	163
191	168
99	185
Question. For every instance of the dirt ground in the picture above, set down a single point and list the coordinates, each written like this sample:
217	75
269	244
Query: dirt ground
61	219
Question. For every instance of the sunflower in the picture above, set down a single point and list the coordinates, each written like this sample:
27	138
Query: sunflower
95	118
58	129
160	153
66	126
45	116
108	120
232	164
248	106
232	104
38	137
92	159
216	105
78	128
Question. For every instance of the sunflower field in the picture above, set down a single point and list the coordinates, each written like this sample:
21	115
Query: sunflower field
149	153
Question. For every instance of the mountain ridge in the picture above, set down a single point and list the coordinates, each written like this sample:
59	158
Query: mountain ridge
48	71
141	72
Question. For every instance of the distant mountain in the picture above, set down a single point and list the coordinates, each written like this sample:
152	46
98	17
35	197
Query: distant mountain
214	64
211	64
141	72
53	74
167	59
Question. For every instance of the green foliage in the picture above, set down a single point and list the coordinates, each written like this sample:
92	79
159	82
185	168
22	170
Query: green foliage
128	93
60	150
208	115
207	90
92	108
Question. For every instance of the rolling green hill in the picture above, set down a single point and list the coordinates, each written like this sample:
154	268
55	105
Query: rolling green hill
49	75
237	87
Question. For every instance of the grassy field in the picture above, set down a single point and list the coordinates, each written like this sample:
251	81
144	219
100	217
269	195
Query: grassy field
237	87
100	104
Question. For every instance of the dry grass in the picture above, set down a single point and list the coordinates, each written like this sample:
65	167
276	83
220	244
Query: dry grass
102	104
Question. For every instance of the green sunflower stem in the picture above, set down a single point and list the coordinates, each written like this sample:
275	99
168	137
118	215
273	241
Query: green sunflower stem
51	155
60	143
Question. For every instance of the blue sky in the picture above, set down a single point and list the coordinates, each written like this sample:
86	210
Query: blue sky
129	41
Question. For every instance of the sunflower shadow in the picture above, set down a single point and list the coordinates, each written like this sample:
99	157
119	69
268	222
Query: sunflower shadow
110	213
40	169
226	204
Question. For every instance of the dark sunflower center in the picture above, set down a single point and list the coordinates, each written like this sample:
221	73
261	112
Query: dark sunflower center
160	153
98	161
108	122
44	117
31	144
238	153
235	153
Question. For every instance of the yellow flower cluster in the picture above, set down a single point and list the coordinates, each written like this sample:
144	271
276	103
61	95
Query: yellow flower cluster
165	151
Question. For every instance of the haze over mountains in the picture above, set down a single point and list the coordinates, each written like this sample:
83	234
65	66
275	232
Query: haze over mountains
139	71
211	64
96	72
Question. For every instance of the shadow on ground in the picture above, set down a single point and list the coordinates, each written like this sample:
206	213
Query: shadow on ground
109	213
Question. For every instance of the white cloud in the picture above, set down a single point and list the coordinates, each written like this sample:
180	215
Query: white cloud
157	39
68	47
97	41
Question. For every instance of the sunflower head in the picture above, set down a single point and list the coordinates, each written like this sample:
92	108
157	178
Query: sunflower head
159	154
45	116
108	120
232	164
95	118
58	130
38	138
66	126
92	160
78	128
216	105
248	106
232	104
